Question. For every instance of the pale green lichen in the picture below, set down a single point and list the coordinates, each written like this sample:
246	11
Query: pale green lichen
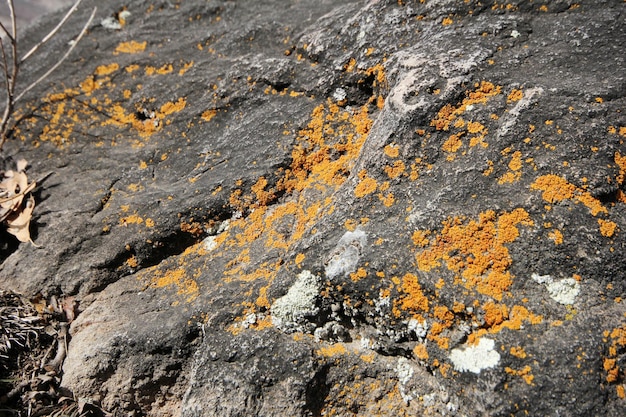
289	311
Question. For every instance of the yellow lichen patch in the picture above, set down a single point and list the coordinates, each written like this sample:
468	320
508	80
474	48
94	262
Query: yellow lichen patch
420	238
354	398
515	95
447	114
263	197
392	151
556	236
607	227
621	163
169	107
185	68
420	351
474	251
556	189
299	259
475	127
366	186
617	345
178	278
518	352
207	115
358	275
452	144
413	299
132	219
525	373
132	261
322	157
165	69
515	166
395	170
387	199
332	350
130	47
107	69
494	313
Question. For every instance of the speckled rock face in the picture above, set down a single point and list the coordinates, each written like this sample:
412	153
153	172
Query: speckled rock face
335	208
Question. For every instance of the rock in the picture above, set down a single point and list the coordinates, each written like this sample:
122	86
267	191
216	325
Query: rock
427	161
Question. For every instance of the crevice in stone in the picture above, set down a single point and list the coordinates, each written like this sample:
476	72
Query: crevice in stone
316	391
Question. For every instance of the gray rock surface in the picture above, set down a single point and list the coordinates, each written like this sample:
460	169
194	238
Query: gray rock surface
207	154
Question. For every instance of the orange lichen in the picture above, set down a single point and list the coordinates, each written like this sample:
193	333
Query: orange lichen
475	251
607	227
358	275
130	47
132	219
621	163
420	351
392	151
169	107
132	261
413	299
177	277
263	197
617	339
332	350
556	189
556	236
207	115
107	69
366	186
518	352
299	259
420	238
525	373
515	95
395	170
494	313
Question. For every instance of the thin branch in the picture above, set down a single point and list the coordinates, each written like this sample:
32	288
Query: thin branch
8	107
51	33
16	66
13	20
6	32
55	66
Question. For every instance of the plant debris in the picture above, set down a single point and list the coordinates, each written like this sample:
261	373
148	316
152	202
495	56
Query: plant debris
16	201
33	344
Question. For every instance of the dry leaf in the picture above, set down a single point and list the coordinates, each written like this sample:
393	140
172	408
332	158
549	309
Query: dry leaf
18	223
16	205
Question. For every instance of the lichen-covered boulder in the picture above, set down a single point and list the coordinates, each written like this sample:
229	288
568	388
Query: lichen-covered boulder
336	208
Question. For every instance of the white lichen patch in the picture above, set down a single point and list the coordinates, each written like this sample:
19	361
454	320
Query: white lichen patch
404	370
289	311
563	291
475	358
345	257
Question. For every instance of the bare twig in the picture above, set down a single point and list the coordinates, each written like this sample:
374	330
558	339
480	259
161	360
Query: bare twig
10	70
55	66
52	32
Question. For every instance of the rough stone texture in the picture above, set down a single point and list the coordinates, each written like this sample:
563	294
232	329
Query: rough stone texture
198	171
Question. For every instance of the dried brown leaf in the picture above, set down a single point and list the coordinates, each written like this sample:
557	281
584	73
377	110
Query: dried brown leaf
18	222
